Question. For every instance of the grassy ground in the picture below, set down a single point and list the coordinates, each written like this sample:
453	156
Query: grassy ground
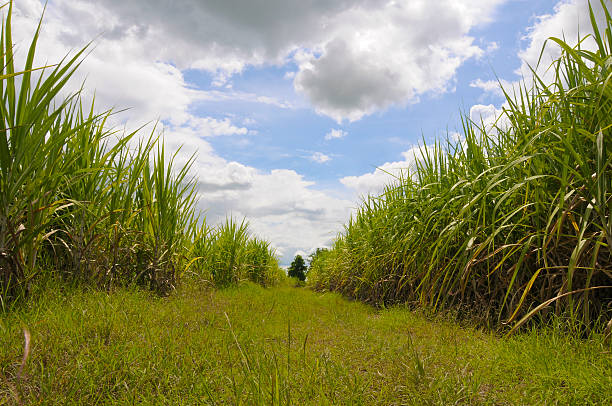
285	345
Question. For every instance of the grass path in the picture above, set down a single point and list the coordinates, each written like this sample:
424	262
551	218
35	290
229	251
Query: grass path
285	345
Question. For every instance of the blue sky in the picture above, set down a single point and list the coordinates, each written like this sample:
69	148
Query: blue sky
257	88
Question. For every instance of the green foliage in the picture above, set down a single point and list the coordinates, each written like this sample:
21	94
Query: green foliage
506	219
80	201
317	262
254	346
312	258
298	268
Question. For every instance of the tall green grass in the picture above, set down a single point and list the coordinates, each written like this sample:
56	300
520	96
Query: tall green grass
512	221
83	203
228	254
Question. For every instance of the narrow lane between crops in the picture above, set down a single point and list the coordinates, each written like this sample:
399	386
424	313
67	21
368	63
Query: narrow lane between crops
283	345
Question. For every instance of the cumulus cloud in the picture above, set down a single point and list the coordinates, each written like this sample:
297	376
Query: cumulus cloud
354	57
390	54
134	62
335	133
374	182
282	206
496	87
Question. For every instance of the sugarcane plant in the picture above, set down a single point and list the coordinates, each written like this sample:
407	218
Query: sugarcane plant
81	202
513	220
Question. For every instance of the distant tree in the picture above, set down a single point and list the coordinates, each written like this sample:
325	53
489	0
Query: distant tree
297	269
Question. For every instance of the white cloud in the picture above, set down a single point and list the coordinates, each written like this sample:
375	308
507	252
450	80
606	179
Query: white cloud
354	57
374	182
390	54
208	126
281	206
273	101
320	157
494	86
454	136
335	133
492	47
132	63
485	116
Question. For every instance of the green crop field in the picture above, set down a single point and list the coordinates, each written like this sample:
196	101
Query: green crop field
481	276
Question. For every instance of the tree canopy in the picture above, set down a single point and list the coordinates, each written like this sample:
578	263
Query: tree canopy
297	269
